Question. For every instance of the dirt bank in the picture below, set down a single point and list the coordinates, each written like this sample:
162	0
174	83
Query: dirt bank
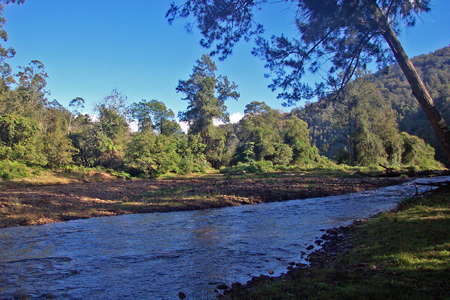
39	204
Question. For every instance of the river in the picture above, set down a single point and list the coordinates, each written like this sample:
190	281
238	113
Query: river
155	256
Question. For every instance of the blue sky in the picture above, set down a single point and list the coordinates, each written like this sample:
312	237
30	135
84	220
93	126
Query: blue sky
91	47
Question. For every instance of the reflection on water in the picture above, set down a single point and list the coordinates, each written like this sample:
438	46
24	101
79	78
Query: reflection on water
154	256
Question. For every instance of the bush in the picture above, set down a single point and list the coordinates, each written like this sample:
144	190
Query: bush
81	172
253	167
20	140
120	174
416	153
13	169
152	155
76	170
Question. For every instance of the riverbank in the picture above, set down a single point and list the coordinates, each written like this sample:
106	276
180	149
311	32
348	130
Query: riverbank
403	254
34	202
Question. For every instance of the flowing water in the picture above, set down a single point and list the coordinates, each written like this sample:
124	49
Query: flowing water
155	256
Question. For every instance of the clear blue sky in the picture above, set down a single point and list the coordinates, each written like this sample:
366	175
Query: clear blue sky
90	47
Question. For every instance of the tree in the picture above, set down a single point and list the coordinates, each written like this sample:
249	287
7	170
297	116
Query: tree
75	106
154	115
266	134
57	145
363	117
296	135
349	34
259	131
191	150
256	107
152	155
19	140
5	52
112	116
30	96
417	153
94	147
206	94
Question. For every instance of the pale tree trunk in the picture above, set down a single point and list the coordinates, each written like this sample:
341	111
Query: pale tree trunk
418	87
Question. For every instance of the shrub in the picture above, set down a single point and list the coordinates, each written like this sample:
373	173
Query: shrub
417	153
152	155
253	167
20	141
13	169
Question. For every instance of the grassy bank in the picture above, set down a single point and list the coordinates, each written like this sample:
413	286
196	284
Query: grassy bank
31	201
396	255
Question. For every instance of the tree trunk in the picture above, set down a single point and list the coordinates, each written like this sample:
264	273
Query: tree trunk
418	87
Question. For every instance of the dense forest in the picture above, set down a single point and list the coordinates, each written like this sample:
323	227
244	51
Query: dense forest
373	122
358	128
39	133
386	100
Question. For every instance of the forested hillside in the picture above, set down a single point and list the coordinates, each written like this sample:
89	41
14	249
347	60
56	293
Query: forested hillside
384	95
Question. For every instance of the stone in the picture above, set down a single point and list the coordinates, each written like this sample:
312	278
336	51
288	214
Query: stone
222	286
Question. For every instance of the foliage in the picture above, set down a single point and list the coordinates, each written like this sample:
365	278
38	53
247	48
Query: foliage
368	147
296	134
206	94
346	33
86	172
383	100
18	140
57	145
152	155
417	153
252	167
154	115
265	134
94	148
113	115
355	126
343	36
435	71
191	150
13	169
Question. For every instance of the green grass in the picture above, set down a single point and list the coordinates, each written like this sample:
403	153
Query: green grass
396	255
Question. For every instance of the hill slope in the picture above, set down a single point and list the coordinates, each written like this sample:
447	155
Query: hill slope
435	71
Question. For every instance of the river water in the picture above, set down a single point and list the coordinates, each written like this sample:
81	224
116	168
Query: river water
155	256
